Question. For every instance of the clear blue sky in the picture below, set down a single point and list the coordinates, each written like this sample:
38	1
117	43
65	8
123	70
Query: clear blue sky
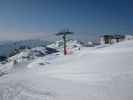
87	18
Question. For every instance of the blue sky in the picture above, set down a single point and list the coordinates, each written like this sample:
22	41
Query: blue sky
23	19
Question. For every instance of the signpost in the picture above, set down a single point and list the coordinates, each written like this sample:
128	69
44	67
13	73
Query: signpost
64	34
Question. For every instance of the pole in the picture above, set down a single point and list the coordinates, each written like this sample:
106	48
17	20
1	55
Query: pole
65	46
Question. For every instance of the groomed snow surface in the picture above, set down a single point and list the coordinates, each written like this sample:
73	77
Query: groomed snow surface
92	73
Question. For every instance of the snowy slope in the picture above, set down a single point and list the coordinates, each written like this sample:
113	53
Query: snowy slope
91	74
25	57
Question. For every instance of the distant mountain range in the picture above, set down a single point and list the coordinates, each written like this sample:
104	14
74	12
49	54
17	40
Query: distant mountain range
7	47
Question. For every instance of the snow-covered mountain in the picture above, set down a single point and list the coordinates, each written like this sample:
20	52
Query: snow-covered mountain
25	56
7	47
31	54
93	73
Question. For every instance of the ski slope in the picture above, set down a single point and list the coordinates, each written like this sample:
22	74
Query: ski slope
104	73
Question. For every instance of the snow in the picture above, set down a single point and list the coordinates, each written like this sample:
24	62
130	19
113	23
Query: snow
93	73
